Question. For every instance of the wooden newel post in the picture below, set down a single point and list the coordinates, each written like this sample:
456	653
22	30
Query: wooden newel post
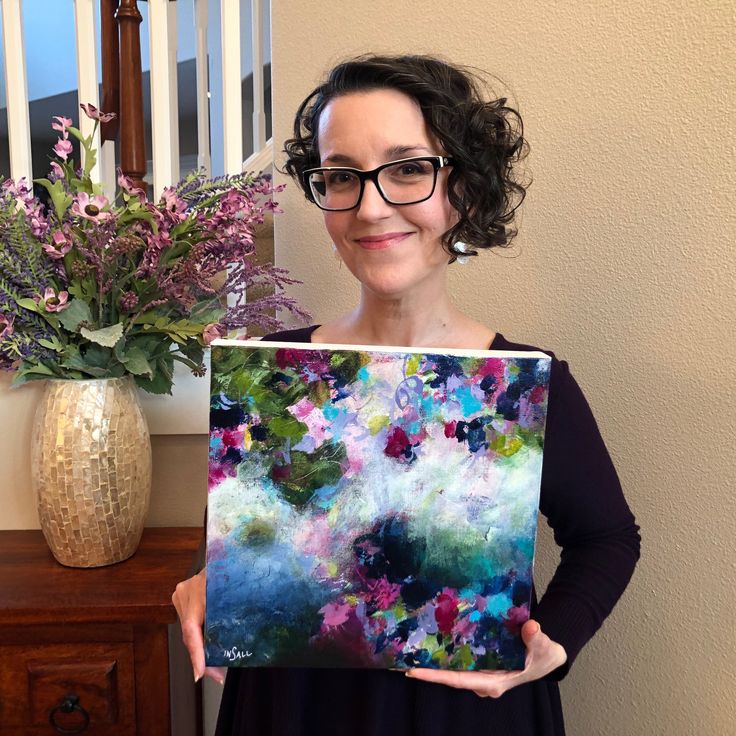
132	141
110	69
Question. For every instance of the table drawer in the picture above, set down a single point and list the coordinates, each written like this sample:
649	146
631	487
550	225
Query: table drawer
83	687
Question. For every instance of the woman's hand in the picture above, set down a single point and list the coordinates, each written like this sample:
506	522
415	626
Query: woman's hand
189	601
542	656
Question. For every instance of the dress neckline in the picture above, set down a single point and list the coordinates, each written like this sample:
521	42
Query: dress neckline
498	337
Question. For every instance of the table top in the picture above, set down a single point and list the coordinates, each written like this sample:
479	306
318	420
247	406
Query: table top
35	589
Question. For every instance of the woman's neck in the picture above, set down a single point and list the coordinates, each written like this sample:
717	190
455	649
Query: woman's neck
424	317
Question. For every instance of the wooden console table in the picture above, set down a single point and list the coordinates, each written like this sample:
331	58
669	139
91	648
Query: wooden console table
80	645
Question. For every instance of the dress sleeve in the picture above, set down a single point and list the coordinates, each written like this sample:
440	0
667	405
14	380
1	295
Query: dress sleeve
582	499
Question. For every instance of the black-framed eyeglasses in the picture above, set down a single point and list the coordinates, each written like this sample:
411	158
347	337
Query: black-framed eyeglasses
406	181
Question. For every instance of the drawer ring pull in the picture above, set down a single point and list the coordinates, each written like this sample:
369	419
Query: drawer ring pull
69	704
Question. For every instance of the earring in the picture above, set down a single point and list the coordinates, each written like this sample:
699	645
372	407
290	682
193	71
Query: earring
336	253
460	247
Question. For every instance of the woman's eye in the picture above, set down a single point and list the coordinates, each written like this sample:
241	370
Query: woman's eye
409	169
340	178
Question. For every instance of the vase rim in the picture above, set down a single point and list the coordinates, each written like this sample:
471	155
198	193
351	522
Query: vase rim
126	377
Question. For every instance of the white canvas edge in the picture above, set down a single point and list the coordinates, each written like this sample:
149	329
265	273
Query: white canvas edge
460	352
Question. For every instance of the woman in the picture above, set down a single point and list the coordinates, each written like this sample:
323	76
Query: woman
413	170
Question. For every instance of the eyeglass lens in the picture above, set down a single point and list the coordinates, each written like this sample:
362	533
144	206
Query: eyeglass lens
402	183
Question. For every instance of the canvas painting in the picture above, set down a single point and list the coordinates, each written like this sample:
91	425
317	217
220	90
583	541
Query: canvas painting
371	507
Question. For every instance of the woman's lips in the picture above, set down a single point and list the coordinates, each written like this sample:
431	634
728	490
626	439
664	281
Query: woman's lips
378	242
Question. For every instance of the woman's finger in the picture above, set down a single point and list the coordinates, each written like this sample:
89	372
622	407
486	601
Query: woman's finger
543	654
189	601
485	684
216	673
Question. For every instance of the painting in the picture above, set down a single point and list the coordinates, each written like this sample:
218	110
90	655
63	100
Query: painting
372	507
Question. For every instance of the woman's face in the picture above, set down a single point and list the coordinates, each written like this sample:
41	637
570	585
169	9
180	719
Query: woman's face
392	250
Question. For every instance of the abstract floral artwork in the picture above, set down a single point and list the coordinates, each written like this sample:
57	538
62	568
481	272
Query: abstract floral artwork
371	507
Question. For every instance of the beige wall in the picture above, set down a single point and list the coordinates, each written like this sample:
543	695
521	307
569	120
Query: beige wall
624	266
179	484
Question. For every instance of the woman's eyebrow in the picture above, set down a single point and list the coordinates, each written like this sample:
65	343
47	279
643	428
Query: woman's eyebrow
339	158
394	152
399	151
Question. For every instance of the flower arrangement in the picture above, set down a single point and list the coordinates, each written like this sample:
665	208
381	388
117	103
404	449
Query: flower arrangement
91	288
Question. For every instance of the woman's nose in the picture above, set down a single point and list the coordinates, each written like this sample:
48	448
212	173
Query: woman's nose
372	205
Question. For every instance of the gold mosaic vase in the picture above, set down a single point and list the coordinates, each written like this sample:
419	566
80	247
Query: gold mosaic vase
91	470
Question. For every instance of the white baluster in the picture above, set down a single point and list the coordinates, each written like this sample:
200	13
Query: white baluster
164	97
16	91
259	114
203	100
87	81
232	101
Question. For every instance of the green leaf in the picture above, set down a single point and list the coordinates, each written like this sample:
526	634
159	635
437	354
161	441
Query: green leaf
82	289
34	372
75	314
193	350
106	336
59	197
90	159
140	214
153	346
147	318
207	312
135	362
22	377
52	344
96	372
98	356
76	133
159	384
30	304
93	363
41	368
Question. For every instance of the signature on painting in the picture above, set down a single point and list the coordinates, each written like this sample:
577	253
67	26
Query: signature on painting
235	653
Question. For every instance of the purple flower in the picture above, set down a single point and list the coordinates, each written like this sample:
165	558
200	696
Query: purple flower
92	112
174	204
54	302
126	184
161	241
61	125
63	148
59	246
6	325
91	208
269	204
20	190
57	171
212	332
128	301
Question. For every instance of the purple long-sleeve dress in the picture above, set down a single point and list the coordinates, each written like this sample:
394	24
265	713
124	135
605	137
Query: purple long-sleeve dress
582	500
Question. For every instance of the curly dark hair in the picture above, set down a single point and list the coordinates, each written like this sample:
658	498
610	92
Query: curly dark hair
484	137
